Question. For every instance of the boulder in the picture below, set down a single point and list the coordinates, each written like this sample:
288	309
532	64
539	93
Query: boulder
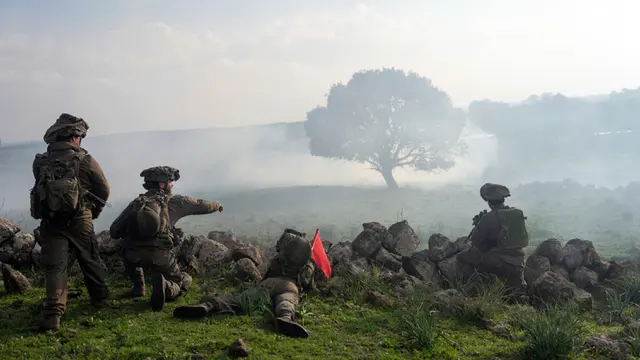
107	245
17	250
250	252
388	260
535	266
561	271
7	229
246	270
14	280
603	345
367	243
552	287
583	299
440	247
584	278
226	238
552	250
449	301
340	253
211	255
420	266
403	240
448	270
577	252
602	269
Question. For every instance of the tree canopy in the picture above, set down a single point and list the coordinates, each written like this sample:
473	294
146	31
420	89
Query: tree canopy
565	136
387	118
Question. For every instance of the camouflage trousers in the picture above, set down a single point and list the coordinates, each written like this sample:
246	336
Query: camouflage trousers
59	241
471	260
159	260
283	292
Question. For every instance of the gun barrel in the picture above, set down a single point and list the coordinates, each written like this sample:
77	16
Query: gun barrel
100	200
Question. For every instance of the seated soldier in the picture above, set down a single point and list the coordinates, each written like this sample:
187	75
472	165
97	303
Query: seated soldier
146	223
290	270
497	241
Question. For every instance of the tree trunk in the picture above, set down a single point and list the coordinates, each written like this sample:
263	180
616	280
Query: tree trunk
387	174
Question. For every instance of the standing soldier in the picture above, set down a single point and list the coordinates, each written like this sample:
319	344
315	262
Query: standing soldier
146	224
70	191
497	241
289	271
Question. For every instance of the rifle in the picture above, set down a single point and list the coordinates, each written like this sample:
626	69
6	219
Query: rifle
98	199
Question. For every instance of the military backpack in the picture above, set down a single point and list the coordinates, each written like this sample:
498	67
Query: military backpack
149	215
513	229
57	193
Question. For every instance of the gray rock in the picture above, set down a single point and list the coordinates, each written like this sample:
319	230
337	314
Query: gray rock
535	266
388	260
551	249
404	240
250	252
367	243
440	247
246	270
7	229
420	266
584	278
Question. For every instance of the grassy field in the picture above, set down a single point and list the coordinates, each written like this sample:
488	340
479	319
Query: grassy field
342	327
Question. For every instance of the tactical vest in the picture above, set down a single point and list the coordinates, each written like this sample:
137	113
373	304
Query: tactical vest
513	230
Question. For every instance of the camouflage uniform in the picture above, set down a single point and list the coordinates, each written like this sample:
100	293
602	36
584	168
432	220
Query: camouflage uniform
60	238
156	253
290	270
487	254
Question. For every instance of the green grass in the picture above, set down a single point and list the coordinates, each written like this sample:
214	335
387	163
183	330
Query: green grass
341	329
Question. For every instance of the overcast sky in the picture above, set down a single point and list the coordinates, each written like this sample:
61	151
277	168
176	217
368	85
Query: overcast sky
127	65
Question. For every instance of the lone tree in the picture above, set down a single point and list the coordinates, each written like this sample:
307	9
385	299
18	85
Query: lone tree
387	118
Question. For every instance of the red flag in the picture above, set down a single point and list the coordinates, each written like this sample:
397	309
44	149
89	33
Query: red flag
319	256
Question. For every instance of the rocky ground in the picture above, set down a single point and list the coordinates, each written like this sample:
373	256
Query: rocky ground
385	300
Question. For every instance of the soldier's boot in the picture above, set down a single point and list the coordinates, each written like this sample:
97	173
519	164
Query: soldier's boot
194	311
136	274
285	323
138	290
172	290
208	306
49	323
158	293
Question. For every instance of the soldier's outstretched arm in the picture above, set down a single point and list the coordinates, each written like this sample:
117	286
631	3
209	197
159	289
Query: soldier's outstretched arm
181	206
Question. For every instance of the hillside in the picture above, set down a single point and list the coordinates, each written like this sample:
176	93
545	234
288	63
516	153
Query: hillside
556	209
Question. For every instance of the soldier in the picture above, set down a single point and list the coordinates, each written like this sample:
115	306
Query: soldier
146	225
70	191
290	270
497	241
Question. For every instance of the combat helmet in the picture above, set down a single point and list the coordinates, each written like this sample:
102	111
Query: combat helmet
159	174
494	192
66	125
